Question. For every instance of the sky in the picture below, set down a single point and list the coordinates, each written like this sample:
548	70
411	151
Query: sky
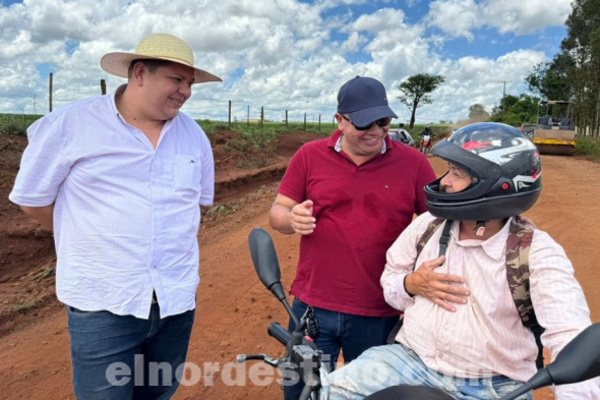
284	54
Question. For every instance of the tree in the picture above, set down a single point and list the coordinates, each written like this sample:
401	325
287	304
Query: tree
477	113
582	46
550	79
415	92
515	111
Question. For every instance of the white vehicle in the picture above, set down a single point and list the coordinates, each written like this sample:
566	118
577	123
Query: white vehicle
402	136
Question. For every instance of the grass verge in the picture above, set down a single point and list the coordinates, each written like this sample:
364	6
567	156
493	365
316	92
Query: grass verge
588	147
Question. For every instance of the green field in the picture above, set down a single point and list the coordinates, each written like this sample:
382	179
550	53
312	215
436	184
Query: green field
262	134
16	124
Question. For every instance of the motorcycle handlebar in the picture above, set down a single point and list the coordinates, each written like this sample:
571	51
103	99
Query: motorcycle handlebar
284	336
281	334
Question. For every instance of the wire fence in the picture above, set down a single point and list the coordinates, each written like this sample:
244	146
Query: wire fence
38	103
247	113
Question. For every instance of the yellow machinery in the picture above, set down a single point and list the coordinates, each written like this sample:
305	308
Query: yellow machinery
555	134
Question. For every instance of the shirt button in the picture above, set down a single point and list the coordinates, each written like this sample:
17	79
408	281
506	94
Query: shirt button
440	355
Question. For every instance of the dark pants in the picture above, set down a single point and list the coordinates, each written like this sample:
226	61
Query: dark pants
123	357
352	334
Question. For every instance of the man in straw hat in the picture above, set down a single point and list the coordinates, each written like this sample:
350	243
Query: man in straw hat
120	179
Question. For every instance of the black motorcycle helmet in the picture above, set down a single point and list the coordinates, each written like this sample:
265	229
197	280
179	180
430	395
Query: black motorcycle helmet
505	167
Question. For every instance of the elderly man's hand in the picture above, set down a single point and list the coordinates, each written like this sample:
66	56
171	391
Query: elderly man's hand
442	289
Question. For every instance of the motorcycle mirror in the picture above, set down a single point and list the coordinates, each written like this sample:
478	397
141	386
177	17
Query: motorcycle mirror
265	261
578	361
266	264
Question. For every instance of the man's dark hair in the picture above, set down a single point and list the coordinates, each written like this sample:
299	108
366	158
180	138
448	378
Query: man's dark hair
151	64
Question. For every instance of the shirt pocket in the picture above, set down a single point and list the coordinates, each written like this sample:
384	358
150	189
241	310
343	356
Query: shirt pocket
186	172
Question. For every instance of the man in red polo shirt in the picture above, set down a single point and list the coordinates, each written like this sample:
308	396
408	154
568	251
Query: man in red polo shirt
349	197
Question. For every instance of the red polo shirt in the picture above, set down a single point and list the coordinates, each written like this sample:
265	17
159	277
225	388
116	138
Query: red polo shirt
360	211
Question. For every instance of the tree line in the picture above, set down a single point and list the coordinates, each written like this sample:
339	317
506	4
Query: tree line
573	75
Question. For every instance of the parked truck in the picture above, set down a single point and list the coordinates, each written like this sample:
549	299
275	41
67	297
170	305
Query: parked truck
554	132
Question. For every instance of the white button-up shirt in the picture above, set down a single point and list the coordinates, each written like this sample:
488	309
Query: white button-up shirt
126	214
486	336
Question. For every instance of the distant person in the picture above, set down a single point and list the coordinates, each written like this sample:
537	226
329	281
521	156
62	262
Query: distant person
427	131
120	180
470	339
401	127
349	197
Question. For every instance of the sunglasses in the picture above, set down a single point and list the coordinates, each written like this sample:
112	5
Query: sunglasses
383	122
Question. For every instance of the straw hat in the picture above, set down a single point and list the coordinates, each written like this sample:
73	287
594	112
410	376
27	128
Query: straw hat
159	46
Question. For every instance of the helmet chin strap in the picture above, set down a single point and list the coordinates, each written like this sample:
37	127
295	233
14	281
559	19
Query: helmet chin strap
479	229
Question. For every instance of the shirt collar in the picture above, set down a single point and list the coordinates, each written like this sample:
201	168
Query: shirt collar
336	140
494	247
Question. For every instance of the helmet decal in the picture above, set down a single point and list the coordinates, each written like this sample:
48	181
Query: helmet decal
476	145
524	181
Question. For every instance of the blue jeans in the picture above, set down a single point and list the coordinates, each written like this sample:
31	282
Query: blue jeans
352	334
123	357
395	364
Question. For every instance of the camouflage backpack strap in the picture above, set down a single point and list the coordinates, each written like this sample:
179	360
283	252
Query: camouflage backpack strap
518	244
431	228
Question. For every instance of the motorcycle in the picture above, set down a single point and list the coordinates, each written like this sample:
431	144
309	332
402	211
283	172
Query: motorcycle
578	361
425	145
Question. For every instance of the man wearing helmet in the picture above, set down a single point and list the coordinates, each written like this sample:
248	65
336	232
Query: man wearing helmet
426	131
466	336
427	137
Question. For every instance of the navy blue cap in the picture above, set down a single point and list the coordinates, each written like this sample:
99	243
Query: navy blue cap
364	100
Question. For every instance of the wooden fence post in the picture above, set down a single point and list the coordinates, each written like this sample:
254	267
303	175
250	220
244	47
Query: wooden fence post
229	116
50	94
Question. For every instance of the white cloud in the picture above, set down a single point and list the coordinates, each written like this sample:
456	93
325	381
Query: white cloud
354	42
382	20
472	80
522	17
458	18
454	17
280	54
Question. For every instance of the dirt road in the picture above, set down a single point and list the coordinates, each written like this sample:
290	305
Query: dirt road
234	309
